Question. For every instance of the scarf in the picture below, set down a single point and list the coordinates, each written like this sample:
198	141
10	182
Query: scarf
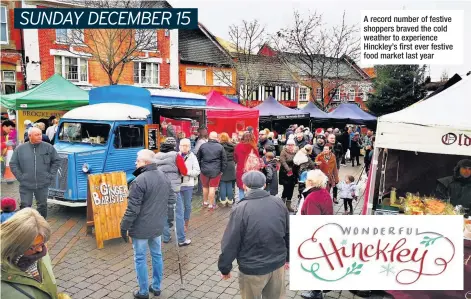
29	264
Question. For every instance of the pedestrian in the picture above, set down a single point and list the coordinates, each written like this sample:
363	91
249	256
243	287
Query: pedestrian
213	162
318	147
300	140
151	203
28	125
188	181
369	156
25	262
263	142
288	178
8	205
355	146
260	247
201	139
228	178
337	149
41	126
246	147
173	166
35	164
348	193
271	173
328	165
51	131
317	201
7	126
303	160
345	141
367	143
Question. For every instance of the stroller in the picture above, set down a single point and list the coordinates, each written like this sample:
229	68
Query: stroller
301	186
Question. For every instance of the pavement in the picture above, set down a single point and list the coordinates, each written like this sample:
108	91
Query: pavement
83	271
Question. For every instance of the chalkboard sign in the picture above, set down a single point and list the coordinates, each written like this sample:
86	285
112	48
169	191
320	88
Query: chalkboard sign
152	137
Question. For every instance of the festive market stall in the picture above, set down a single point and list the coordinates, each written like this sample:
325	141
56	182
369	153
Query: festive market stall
347	113
234	120
273	114
53	97
318	117
422	165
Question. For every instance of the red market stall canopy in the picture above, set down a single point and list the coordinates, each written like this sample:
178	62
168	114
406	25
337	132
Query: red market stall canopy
351	114
271	109
229	117
56	93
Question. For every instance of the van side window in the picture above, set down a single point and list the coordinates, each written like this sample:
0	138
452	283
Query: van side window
129	136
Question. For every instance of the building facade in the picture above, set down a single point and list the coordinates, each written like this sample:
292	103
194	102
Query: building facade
204	64
49	51
12	64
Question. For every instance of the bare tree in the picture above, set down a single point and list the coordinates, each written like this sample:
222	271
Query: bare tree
246	38
113	49
317	55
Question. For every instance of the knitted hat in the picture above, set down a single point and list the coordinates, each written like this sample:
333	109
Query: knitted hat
290	140
254	179
8	204
169	145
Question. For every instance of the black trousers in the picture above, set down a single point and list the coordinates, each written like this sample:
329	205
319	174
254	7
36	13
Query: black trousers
353	157
348	201
288	190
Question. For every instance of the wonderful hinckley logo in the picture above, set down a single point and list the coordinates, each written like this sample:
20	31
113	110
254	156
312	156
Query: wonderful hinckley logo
397	255
458	139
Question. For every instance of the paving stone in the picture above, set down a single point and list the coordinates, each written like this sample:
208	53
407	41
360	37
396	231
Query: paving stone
211	295
231	291
100	294
115	294
82	294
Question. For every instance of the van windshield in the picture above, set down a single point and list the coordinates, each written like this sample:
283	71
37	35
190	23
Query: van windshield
91	133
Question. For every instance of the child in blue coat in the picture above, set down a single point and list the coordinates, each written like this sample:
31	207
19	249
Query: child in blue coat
8	206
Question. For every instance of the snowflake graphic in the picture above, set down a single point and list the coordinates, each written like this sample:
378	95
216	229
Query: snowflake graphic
388	269
344	242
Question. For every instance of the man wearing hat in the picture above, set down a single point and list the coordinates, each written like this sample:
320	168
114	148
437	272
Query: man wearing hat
457	188
261	247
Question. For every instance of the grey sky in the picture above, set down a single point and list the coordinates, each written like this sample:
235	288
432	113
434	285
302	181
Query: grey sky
218	15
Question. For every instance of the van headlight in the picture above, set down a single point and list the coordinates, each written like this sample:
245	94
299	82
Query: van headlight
86	168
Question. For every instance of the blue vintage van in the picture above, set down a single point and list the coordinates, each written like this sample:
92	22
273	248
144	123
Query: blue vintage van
106	135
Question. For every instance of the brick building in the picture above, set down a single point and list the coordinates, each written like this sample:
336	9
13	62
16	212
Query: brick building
12	76
49	51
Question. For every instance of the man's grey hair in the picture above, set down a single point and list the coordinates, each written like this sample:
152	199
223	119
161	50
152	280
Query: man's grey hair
18	233
34	129
185	141
146	155
213	135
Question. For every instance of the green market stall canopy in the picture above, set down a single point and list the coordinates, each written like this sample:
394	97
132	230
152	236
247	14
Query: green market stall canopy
56	93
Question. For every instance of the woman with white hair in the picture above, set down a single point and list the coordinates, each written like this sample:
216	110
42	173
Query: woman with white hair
25	263
316	201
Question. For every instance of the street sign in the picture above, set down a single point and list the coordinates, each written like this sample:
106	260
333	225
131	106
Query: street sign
107	201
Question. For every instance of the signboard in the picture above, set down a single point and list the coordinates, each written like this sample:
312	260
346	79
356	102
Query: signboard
394	252
34	116
107	201
152	137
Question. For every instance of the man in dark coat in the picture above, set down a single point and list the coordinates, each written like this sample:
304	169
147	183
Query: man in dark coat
151	200
260	247
300	140
213	162
457	188
345	141
263	142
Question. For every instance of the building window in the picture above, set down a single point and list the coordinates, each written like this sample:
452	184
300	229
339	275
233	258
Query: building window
146	39
269	91
303	94
351	94
336	95
196	77
69	36
222	78
129	136
146	73
253	96
4	25
8	82
318	94
285	94
72	68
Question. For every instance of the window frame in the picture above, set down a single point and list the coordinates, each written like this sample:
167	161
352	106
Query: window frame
285	91
267	93
318	94
195	69
80	60
140	48
336	97
68	35
116	136
9	83
224	75
7	39
350	98
153	65
303	94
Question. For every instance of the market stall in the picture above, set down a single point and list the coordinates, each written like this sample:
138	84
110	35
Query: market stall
234	120
273	114
347	113
422	165
318	117
53	97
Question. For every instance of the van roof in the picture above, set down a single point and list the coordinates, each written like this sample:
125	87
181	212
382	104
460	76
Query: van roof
108	111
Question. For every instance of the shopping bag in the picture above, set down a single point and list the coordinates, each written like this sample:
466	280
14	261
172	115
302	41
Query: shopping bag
347	155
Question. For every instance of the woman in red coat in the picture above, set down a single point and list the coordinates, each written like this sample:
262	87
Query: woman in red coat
317	201
241	152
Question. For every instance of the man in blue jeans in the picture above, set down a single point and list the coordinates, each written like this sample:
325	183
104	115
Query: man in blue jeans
150	204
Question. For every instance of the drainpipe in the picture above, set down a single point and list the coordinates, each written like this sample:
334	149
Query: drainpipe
23	56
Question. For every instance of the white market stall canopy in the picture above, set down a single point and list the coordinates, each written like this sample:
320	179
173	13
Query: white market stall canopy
440	124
